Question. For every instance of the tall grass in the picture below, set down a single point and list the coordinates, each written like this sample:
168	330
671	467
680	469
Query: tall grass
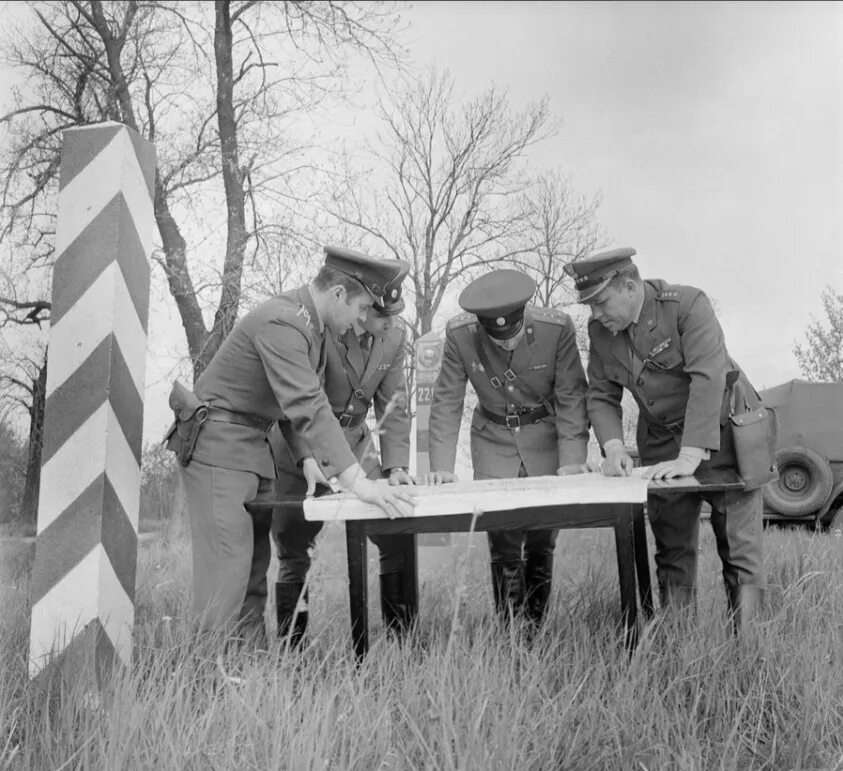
464	696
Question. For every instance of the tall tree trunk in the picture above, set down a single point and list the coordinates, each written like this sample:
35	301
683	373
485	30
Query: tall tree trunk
181	285
232	175
32	484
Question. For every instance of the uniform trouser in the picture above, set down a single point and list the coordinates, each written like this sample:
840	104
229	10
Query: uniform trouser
736	518
295	537
515	545
231	549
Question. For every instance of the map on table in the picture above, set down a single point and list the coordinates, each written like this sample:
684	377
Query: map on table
489	495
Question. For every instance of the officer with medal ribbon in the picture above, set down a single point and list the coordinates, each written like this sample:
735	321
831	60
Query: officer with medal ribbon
365	366
269	369
662	342
530	419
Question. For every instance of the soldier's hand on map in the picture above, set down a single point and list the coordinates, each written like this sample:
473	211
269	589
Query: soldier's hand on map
683	466
618	462
400	476
569	469
440	478
314	476
395	502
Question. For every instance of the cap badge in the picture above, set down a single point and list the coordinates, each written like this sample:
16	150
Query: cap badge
500	321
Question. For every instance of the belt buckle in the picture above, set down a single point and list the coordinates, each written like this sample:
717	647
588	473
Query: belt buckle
358	393
510	375
509	424
345	420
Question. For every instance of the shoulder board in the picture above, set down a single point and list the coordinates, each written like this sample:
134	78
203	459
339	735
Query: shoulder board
671	294
461	320
549	315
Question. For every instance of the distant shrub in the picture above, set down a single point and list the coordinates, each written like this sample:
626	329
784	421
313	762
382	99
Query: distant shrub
12	475
161	501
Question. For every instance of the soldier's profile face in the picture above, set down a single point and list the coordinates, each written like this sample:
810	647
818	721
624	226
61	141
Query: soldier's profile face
614	307
346	310
377	323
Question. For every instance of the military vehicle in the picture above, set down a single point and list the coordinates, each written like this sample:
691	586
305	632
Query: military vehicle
809	453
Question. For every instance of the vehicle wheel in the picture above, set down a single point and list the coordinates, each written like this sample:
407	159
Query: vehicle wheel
804	483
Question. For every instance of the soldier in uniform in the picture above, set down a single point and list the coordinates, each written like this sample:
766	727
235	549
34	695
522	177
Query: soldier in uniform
663	343
268	369
530	419
365	366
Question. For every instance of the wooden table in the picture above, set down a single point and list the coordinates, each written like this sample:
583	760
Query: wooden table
624	515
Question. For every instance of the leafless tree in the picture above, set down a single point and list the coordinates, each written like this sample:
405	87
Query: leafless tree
218	110
23	388
821	357
443	191
560	227
220	89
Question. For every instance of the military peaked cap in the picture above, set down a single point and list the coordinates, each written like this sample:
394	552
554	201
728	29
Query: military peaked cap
498	300
392	302
594	273
374	274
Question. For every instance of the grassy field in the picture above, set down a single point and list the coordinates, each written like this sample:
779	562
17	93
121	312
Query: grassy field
461	694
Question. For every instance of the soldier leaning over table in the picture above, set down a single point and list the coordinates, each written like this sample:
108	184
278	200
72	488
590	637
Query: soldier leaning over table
530	419
663	343
365	366
267	370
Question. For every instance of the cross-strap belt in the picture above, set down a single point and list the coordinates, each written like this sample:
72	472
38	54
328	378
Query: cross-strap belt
517	419
498	376
350	420
351	417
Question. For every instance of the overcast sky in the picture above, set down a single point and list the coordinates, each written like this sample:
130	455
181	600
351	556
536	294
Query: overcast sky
712	131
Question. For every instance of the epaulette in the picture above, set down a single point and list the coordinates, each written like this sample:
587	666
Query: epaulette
461	320
669	295
549	315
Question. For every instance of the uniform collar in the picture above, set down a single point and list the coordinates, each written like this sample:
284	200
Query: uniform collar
636	318
306	299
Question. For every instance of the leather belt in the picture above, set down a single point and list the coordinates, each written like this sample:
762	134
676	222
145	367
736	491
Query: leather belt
517	420
347	420
222	415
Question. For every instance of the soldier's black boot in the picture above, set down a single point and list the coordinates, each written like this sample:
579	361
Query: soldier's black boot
538	579
745	604
291	624
398	614
508	588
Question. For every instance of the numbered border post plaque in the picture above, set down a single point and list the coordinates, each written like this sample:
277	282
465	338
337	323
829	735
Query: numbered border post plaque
429	350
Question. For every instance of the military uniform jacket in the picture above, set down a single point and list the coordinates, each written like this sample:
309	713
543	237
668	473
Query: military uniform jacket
678	373
380	375
270	365
548	362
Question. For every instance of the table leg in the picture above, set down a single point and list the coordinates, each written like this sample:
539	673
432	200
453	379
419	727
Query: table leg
625	546
358	586
642	561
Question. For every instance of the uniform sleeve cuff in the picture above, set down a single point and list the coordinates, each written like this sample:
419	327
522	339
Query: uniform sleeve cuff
696	453
613	444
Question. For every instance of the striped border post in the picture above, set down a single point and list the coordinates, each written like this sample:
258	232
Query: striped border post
83	579
429	350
